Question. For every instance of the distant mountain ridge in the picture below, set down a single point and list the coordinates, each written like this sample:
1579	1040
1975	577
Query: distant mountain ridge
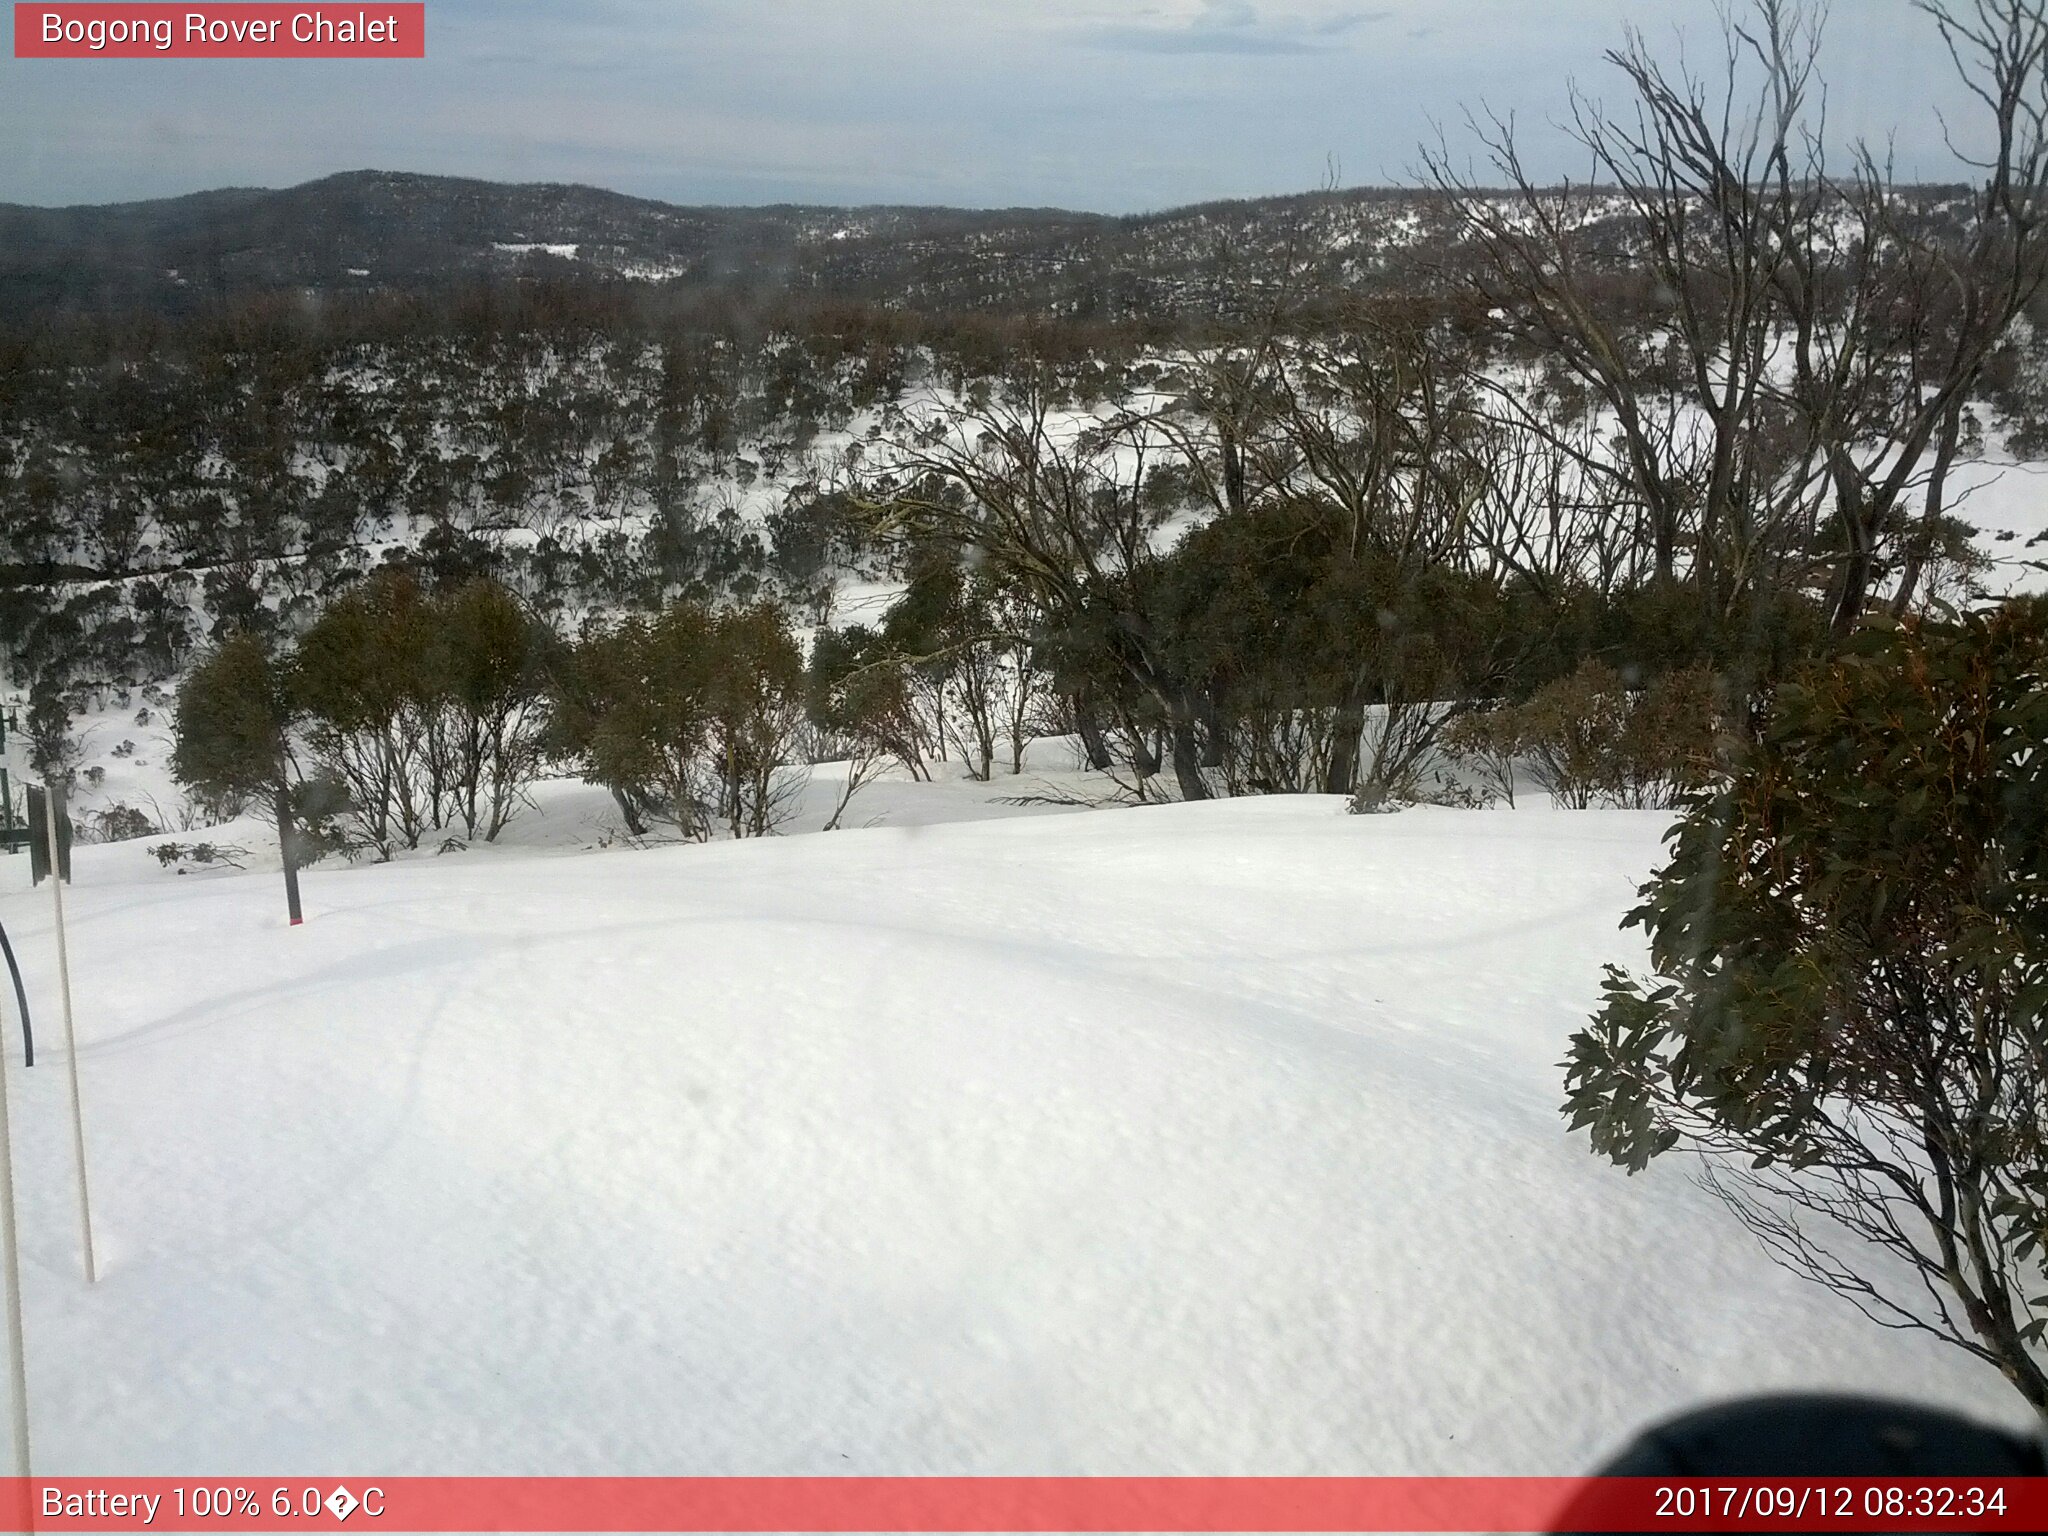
365	231
379	229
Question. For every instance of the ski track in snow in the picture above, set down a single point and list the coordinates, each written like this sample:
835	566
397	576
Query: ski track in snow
1191	1139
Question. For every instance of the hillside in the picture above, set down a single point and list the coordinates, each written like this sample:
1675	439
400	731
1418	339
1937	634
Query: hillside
374	230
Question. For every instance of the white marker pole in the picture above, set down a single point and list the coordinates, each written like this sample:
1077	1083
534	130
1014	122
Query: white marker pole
10	1255
70	1037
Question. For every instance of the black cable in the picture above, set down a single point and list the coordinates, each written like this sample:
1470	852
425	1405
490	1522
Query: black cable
28	1041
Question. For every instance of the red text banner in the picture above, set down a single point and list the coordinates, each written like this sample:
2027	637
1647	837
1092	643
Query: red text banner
114	31
986	1504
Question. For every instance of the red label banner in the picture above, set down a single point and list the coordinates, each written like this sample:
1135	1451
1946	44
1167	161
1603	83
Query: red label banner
110	31
986	1504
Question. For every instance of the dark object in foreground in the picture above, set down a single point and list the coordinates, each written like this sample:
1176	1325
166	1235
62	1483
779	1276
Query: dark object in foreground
39	860
1820	1435
28	1039
1817	1435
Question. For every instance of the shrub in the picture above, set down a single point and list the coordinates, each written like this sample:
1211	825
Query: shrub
692	716
1849	1016
119	823
179	854
1590	739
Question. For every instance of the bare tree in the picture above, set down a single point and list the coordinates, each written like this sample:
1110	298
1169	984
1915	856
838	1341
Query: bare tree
1881	384
1373	430
1791	364
1054	503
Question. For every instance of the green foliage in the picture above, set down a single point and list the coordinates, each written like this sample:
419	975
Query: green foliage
1645	631
1850	946
177	854
1591	739
486	653
362	663
234	712
427	708
319	806
1290	635
690	715
48	727
234	744
486	672
755	694
633	706
858	690
119	824
361	677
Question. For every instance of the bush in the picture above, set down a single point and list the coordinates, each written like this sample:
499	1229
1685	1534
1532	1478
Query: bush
234	741
860	692
692	717
428	708
179	854
119	823
1849	1017
1590	739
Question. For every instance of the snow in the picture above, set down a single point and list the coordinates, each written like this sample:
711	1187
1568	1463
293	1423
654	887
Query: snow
2006	501
527	247
654	271
1191	1139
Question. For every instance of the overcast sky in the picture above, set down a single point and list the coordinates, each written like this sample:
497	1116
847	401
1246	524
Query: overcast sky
1075	103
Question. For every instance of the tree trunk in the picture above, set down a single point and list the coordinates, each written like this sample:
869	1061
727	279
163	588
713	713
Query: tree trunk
1666	551
1859	558
1849	602
1340	777
1187	762
1212	730
1233	474
1917	549
1089	729
629	811
288	850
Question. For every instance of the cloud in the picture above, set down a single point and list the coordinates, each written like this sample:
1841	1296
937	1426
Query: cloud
1230	27
1111	105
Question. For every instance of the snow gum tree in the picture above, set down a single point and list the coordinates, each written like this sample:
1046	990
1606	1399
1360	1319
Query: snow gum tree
1806	342
1849	1017
486	669
861	695
429	707
631	703
361	675
756	693
233	740
692	716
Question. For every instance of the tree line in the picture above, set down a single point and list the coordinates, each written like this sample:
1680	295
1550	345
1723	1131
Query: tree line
402	713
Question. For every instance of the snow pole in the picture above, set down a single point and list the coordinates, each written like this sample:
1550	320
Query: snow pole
10	1256
70	1035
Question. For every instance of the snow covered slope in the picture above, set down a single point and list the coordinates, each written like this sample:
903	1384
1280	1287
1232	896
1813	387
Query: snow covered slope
1216	1138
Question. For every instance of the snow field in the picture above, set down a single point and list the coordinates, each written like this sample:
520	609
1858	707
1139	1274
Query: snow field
1191	1139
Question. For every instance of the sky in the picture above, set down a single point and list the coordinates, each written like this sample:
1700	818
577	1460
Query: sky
1115	108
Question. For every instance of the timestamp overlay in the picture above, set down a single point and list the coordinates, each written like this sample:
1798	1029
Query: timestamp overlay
1025	1504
